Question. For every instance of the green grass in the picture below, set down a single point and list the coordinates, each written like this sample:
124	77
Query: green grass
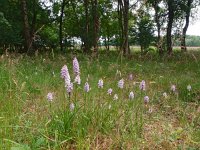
29	121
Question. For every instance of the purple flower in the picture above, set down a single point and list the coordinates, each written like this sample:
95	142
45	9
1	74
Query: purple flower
131	77
131	95
143	85
87	87
146	99
72	106
110	91
189	87
115	97
50	96
100	83
69	87
121	84
76	66
173	88
65	74
77	79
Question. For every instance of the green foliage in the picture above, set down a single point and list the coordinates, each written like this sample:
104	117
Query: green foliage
143	31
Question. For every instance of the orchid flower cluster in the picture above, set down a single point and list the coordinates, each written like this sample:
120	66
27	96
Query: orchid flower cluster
76	70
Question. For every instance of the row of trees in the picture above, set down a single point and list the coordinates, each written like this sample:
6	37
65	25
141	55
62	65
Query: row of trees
26	26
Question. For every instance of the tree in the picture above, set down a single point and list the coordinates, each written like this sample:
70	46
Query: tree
143	30
187	20
123	18
126	49
171	11
95	26
61	25
27	35
159	19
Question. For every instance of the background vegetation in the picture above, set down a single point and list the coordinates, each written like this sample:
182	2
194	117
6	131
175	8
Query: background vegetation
38	25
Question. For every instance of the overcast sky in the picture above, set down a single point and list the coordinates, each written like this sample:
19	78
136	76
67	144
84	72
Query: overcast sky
194	29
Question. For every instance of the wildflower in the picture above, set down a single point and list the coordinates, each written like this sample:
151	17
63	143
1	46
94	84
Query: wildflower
53	73
65	74
143	85
76	66
69	87
87	87
131	77
146	99
150	110
131	95
165	95
189	87
100	83
173	88
121	84
109	91
115	97
72	106
50	96
77	79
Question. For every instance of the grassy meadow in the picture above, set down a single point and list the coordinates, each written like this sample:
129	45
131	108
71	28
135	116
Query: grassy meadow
28	121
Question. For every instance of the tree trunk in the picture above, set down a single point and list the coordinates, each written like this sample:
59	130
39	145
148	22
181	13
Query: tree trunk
27	35
125	34
33	23
86	36
95	26
121	29
187	20
61	25
169	26
158	25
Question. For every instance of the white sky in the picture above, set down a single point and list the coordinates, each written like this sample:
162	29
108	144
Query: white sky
194	29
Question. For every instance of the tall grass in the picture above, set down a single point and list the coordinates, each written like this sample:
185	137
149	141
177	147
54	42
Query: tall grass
29	121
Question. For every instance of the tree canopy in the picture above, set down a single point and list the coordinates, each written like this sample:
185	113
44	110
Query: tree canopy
29	26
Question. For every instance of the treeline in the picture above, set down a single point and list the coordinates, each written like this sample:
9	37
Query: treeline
27	26
191	41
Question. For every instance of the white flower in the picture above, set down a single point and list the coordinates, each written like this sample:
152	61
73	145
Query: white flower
115	97
72	106
165	95
121	84
150	110
146	99
131	95
173	88
142	85
189	87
